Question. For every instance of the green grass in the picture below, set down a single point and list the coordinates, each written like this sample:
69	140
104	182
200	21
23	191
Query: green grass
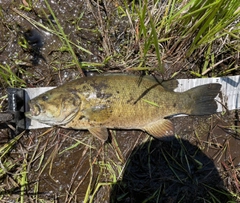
18	179
206	24
10	78
185	30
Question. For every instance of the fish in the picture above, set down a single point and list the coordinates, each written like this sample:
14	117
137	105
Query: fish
121	101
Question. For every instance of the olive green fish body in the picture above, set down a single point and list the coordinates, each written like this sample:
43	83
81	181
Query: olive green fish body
120	101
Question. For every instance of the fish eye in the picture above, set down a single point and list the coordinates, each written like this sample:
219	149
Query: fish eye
44	97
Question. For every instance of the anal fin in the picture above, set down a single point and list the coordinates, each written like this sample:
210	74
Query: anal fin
100	133
160	129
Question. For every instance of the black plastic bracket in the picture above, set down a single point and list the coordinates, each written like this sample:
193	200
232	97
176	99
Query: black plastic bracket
16	106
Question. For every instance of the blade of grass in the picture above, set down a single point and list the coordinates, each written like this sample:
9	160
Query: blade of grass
10	77
65	39
23	180
150	102
156	45
74	146
171	168
7	147
219	191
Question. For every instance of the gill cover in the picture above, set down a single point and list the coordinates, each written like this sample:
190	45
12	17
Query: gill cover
54	107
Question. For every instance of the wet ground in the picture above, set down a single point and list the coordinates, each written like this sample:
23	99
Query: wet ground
201	165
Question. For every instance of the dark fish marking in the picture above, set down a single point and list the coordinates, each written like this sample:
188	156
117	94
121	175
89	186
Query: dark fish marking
103	95
99	86
81	117
130	100
86	88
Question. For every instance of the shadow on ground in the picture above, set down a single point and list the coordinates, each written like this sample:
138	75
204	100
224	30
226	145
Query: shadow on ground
167	172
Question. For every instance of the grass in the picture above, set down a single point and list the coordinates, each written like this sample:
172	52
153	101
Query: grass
8	164
168	38
10	78
180	31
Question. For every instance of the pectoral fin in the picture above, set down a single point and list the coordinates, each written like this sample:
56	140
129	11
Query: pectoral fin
100	133
161	128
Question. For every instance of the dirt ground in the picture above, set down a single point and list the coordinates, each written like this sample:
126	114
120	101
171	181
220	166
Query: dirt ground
63	165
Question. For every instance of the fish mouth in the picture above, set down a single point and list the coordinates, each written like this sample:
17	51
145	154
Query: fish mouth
35	110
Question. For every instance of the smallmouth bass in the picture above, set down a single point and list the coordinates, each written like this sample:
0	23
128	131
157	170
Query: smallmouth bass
120	101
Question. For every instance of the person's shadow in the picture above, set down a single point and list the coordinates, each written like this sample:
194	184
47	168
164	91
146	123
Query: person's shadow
169	172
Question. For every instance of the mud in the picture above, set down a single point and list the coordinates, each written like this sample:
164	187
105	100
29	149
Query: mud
72	166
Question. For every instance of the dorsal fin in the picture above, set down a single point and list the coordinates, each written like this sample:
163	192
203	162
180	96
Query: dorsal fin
170	85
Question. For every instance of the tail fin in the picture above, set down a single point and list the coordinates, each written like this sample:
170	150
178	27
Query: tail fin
202	99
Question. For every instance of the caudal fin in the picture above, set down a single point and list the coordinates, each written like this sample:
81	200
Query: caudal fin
202	99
